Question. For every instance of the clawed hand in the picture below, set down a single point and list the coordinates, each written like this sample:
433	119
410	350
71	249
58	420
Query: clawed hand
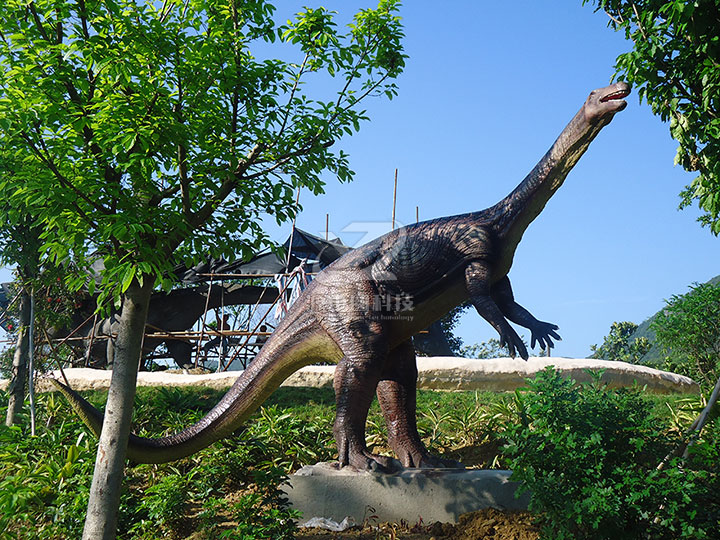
510	339
542	332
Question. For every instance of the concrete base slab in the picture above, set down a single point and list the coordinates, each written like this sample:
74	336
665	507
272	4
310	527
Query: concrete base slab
429	494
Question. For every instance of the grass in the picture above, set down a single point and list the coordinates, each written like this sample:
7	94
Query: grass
228	490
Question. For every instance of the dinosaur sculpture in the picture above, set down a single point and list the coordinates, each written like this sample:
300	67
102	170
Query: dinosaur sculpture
362	311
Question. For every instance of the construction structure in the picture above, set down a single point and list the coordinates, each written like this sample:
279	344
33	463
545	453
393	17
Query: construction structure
218	316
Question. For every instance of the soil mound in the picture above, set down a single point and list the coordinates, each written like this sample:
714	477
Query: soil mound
487	524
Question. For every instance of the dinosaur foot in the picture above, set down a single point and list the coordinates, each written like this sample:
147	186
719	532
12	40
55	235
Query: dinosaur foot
424	460
367	461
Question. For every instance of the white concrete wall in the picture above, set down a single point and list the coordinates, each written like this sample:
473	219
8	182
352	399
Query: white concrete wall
435	373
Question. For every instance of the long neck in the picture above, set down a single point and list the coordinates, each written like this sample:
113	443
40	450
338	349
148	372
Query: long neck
515	212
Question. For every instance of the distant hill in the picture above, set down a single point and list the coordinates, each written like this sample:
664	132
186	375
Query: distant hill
654	356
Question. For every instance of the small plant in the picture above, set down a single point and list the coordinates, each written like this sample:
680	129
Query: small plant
289	441
165	502
261	512
258	522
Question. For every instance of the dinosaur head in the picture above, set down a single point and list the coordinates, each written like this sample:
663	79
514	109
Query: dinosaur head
603	103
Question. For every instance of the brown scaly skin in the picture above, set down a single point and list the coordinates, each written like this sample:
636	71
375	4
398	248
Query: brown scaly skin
363	309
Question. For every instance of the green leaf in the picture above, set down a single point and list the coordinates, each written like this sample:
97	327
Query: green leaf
128	278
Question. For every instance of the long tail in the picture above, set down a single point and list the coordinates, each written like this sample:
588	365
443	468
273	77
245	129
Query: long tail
297	342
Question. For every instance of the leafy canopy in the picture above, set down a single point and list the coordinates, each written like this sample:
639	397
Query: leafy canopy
618	346
675	63
19	234
153	133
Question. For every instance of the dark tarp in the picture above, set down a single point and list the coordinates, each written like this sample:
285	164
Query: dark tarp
268	263
304	246
309	246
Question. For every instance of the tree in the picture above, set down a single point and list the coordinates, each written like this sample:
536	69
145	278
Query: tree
688	329
618	346
19	245
449	322
675	65
486	349
150	134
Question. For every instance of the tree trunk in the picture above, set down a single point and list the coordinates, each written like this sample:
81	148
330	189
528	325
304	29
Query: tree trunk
18	377
102	512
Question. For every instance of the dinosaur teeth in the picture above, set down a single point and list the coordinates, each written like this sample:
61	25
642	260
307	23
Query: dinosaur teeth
615	95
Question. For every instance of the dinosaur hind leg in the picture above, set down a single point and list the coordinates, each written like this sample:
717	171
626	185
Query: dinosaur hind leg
356	378
396	394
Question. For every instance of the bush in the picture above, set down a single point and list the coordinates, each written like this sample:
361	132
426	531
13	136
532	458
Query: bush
688	330
588	456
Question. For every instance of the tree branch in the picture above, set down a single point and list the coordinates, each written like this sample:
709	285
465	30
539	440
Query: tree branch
83	18
64	181
38	22
184	181
618	22
639	22
202	215
279	162
292	95
182	150
354	73
58	27
164	11
156	199
234	102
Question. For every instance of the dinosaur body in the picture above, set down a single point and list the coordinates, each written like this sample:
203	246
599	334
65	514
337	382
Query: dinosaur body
362	311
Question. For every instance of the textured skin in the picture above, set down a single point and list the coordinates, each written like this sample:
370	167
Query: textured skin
363	309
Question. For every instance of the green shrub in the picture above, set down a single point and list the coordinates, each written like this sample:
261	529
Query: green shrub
588	456
44	476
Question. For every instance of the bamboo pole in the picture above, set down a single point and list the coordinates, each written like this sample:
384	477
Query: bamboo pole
56	356
292	231
31	362
88	351
394	200
252	312
202	327
69	337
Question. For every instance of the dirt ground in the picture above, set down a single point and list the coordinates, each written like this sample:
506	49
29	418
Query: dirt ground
483	524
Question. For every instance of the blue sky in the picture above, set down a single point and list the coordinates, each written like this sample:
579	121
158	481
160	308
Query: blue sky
487	89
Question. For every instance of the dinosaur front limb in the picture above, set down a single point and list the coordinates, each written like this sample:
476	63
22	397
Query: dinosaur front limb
542	332
477	278
396	395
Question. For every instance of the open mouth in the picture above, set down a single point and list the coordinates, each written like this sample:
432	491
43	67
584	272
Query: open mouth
620	94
